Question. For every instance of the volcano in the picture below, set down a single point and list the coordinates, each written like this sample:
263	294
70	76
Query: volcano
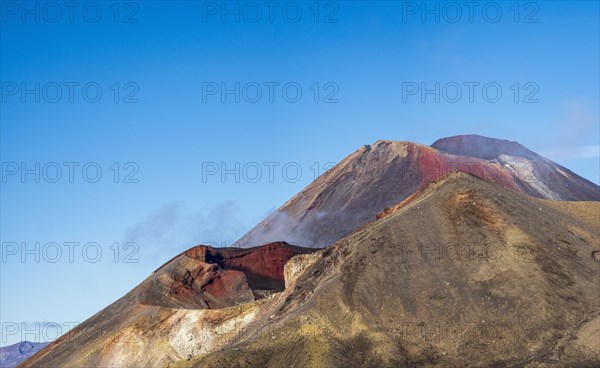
432	266
385	173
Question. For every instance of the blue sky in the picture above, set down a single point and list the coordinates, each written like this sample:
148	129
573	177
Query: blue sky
167	125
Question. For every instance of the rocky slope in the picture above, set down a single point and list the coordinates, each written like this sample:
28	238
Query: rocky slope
467	273
464	273
385	173
194	304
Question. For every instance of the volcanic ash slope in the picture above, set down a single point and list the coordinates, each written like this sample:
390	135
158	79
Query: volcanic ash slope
465	274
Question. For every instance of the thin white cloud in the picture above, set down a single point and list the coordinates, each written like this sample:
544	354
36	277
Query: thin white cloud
170	229
569	153
155	225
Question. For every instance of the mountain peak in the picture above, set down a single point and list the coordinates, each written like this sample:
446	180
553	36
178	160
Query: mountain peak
382	174
384	144
479	146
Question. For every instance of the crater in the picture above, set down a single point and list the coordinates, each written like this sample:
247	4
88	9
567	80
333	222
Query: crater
204	277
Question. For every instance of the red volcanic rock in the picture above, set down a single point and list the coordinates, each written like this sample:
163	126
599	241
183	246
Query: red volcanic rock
263	266
434	164
211	278
208	286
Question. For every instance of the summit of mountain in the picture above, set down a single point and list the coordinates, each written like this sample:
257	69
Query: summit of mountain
382	174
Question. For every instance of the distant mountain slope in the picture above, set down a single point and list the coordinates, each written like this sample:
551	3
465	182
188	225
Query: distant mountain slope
12	355
385	173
